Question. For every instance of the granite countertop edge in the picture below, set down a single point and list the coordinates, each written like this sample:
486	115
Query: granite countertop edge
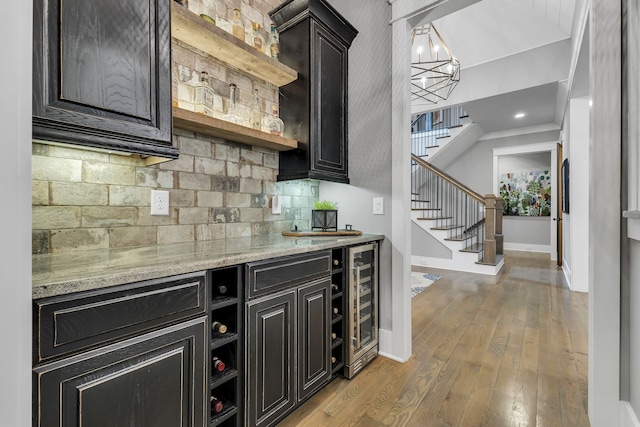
77	271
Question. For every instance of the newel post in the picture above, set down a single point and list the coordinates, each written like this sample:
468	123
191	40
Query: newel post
490	227
498	233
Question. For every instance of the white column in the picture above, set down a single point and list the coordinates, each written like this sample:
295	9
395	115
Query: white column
15	249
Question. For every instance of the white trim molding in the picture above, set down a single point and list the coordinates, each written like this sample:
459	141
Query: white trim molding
628	417
633	224
527	247
552	147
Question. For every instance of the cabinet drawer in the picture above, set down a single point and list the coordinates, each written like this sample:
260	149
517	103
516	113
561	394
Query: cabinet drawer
83	320
265	277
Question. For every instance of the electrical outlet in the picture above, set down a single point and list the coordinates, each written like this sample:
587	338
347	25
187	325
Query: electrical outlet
378	205
159	202
276	205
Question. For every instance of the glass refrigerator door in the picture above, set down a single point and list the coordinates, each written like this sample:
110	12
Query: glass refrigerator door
363	299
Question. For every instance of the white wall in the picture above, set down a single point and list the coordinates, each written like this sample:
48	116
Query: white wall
475	169
15	251
578	216
370	154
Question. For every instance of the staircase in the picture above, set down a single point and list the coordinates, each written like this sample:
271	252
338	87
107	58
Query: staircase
441	142
464	222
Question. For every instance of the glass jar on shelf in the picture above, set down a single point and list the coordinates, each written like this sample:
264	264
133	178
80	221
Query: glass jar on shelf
204	95
257	40
232	109
276	125
237	27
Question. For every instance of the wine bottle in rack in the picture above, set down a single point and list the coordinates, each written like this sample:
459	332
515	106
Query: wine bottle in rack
222	289
334	336
334	287
216	404
333	359
218	365
336	311
219	327
336	262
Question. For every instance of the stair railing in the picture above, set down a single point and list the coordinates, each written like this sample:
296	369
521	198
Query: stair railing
464	214
427	128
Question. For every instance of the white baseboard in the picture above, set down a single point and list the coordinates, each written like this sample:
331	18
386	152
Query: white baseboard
527	247
385	344
567	272
449	264
628	417
390	356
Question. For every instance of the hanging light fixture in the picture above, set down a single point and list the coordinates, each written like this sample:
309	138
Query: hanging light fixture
433	79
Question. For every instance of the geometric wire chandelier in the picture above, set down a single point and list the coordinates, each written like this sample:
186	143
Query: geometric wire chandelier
433	80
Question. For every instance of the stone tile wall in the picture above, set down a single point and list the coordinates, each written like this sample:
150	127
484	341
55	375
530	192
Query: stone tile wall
218	189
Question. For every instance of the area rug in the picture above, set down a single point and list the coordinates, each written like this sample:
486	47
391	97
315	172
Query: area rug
421	281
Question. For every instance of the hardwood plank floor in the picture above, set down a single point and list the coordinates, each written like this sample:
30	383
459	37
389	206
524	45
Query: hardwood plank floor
509	350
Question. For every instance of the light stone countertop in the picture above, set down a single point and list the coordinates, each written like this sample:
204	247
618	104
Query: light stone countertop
75	271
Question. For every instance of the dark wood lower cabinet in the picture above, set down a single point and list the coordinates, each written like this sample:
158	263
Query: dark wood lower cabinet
270	358
156	379
288	354
314	365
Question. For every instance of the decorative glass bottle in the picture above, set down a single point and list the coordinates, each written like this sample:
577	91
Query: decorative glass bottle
232	112
258	40
204	95
256	114
276	125
237	27
274	43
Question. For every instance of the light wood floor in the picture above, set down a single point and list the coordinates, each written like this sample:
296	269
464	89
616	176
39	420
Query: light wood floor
488	351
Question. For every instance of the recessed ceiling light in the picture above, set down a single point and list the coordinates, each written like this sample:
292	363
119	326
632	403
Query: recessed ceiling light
519	115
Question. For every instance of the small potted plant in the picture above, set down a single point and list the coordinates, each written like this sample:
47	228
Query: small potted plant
325	215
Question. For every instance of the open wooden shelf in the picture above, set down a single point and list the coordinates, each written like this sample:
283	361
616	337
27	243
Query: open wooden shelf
211	126
191	29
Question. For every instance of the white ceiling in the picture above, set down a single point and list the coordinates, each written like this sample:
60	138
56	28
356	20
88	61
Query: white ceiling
497	113
491	30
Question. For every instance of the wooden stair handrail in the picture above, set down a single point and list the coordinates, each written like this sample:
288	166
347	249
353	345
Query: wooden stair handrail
449	179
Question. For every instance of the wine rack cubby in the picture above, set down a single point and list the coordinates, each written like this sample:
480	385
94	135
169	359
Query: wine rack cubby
337	304
226	346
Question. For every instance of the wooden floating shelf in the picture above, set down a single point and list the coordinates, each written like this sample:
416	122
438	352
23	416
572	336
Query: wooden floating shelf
211	126
191	29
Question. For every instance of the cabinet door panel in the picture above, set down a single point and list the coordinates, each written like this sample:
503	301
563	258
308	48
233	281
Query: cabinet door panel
101	74
329	77
314	325
270	358
104	65
148	381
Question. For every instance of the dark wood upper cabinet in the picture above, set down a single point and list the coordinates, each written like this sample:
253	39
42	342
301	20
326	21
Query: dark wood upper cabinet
101	74
314	41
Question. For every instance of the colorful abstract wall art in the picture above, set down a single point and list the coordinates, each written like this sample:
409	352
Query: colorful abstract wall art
526	193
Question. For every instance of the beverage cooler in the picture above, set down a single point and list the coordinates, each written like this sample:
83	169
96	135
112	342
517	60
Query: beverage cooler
362	305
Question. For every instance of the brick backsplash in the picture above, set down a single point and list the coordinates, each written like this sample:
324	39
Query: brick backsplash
217	189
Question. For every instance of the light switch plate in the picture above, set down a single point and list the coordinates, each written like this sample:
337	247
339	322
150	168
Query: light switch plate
159	202
378	205
276	205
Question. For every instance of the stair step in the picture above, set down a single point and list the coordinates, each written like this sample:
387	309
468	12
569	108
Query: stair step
423	201
461	237
443	136
498	259
455	126
475	248
433	218
425	209
447	227
415	194
432	146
